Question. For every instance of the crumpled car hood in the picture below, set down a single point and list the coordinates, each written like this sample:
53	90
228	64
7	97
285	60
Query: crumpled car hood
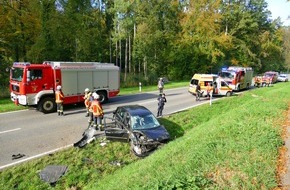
157	134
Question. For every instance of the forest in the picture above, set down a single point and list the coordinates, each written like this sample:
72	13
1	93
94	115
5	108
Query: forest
145	38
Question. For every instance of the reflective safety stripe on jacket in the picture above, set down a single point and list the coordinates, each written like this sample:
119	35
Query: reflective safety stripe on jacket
87	103
59	97
87	99
97	108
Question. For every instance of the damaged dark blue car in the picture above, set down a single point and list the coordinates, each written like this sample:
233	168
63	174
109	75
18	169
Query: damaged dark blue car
138	126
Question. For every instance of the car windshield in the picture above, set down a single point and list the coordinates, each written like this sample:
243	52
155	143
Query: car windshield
144	121
229	75
268	74
17	74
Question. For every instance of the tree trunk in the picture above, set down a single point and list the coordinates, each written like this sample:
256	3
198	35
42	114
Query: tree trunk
129	53
120	53
126	59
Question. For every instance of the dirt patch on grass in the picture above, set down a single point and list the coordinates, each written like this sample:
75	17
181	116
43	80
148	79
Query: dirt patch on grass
283	153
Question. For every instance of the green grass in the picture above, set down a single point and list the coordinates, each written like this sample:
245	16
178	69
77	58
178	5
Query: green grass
232	144
7	105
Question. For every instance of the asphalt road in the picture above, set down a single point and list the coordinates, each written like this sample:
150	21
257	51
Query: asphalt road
34	134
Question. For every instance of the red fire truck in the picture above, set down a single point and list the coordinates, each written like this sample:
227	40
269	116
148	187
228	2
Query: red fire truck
238	78
35	84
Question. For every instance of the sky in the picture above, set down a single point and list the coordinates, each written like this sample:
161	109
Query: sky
280	8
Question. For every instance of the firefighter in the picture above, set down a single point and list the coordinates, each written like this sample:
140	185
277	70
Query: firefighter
59	97
87	100
267	82
97	110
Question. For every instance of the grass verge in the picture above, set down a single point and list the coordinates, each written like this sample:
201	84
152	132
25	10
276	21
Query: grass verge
7	105
231	145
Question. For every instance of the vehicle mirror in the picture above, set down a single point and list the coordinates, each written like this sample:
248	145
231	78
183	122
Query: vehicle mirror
28	76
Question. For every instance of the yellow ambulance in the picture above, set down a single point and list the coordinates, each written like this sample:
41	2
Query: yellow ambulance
220	87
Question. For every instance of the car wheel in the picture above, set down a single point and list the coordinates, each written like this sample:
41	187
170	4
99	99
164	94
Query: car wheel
228	94
138	149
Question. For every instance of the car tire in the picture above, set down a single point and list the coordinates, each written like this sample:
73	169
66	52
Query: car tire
137	150
228	94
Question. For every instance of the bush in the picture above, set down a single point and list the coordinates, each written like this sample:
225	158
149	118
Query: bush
133	80
4	91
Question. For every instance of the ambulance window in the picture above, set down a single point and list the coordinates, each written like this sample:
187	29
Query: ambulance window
194	82
35	74
223	83
206	82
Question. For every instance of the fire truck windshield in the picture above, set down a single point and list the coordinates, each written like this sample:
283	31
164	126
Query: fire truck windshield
17	74
229	75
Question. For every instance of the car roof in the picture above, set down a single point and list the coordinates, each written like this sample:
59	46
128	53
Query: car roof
136	109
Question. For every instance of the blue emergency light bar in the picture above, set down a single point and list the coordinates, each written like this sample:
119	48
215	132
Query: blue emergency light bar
21	63
224	68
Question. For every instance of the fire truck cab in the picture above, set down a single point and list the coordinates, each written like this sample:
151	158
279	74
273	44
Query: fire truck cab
35	84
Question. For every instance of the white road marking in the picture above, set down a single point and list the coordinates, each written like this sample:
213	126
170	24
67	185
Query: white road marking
10	130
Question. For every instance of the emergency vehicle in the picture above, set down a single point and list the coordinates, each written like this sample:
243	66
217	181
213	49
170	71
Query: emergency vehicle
270	77
238	78
35	84
220	87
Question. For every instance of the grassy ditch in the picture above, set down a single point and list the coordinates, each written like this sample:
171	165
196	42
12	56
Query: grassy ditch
231	145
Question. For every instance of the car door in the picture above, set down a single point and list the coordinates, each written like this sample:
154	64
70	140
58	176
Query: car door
120	132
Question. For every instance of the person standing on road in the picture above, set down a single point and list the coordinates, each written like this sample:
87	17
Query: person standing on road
88	99
160	85
198	92
218	83
161	101
209	90
59	97
97	110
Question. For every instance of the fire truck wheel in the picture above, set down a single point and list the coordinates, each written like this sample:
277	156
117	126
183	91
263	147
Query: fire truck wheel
47	105
103	97
228	94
